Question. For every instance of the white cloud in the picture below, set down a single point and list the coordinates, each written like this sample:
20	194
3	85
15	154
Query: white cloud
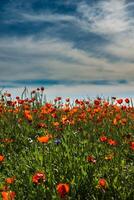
122	46
47	17
53	58
29	58
112	20
105	17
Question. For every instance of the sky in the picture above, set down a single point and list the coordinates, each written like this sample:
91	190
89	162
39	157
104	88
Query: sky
74	48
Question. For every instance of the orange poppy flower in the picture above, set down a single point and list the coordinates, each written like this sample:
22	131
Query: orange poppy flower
109	156
6	140
62	189
1	158
10	180
44	139
123	121
115	121
56	124
28	115
8	195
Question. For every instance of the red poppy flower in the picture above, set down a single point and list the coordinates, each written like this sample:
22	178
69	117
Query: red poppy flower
62	189
42	88
96	102
112	142
38	178
102	183
41	125
119	101
127	100
91	159
132	145
77	101
58	98
103	138
67	99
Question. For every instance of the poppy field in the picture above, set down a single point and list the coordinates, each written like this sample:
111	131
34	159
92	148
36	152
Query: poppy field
61	150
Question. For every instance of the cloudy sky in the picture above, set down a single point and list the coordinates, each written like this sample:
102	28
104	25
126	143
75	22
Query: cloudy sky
73	48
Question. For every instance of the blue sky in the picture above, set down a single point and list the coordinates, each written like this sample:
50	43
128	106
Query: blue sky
73	48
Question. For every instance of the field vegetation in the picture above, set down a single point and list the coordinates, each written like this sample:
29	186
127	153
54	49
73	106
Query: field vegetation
74	151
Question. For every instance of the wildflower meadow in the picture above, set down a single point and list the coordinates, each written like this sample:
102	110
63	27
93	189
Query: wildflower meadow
81	150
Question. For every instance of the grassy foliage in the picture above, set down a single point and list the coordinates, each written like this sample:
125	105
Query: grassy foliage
62	151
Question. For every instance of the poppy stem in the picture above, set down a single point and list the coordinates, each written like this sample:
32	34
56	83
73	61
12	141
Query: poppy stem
43	160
